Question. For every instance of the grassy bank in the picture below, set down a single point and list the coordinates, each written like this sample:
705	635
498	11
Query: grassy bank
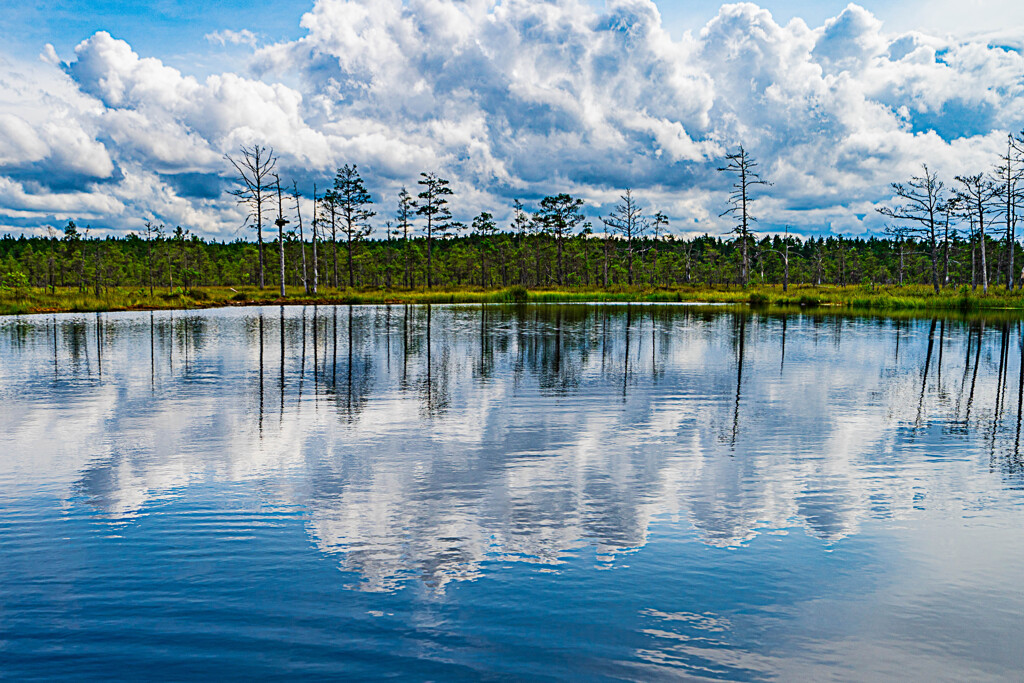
909	297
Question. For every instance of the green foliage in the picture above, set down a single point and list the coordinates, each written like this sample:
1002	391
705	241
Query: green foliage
13	281
514	294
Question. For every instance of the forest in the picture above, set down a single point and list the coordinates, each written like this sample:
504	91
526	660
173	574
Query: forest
939	235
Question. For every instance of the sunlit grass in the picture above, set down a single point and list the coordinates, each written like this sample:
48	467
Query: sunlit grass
860	297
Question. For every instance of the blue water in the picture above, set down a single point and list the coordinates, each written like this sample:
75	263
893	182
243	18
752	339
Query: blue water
540	492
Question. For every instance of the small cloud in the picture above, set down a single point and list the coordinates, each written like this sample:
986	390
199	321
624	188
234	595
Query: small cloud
227	36
49	55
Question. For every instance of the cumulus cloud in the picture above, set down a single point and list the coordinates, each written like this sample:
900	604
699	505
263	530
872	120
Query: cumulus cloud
519	99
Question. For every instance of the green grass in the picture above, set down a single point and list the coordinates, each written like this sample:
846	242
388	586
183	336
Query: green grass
854	298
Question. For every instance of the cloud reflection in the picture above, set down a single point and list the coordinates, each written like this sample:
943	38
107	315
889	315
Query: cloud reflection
436	444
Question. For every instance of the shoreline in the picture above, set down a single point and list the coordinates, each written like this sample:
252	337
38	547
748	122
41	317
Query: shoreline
850	298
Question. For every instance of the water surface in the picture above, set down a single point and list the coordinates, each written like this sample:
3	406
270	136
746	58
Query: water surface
457	492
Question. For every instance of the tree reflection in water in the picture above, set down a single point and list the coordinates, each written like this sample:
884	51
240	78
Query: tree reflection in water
528	432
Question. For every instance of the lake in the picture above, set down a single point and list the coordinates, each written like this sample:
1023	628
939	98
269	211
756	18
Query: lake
545	492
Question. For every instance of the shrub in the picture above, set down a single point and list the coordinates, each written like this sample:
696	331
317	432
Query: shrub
13	281
516	294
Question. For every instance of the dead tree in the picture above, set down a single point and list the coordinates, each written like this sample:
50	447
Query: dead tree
899	233
627	221
406	206
330	198
316	263
1009	174
744	168
924	201
977	196
659	229
302	239
255	169
280	223
149	254
783	254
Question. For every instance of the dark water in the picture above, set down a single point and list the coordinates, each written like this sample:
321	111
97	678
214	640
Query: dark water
641	492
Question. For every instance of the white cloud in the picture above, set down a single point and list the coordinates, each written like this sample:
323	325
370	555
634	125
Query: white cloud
522	98
227	36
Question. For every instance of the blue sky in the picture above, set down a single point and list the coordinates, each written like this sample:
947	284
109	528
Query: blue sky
112	113
173	28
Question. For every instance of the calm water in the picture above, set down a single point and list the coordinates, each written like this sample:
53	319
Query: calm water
637	492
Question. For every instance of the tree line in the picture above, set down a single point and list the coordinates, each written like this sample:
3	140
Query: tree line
963	234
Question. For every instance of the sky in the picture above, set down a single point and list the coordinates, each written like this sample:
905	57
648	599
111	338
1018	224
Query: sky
115	113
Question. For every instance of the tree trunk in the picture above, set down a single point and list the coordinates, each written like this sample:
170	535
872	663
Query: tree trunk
629	259
561	271
430	253
316	265
351	275
606	250
259	237
334	244
280	245
981	235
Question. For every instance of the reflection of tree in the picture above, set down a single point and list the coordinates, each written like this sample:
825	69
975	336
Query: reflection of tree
782	355
261	372
434	382
357	385
1015	465
740	346
461	448
924	373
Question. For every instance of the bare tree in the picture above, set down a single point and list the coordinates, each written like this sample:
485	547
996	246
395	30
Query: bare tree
316	263
784	255
149	254
978	195
950	211
406	206
924	201
255	169
1009	174
744	167
659	229
330	199
627	221
295	196
280	223
900	233
389	256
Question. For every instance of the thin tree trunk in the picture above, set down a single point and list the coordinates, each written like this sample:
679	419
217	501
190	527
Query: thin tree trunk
981	234
351	275
259	236
430	248
316	265
334	243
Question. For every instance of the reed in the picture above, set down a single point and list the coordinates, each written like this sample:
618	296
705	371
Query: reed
889	298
